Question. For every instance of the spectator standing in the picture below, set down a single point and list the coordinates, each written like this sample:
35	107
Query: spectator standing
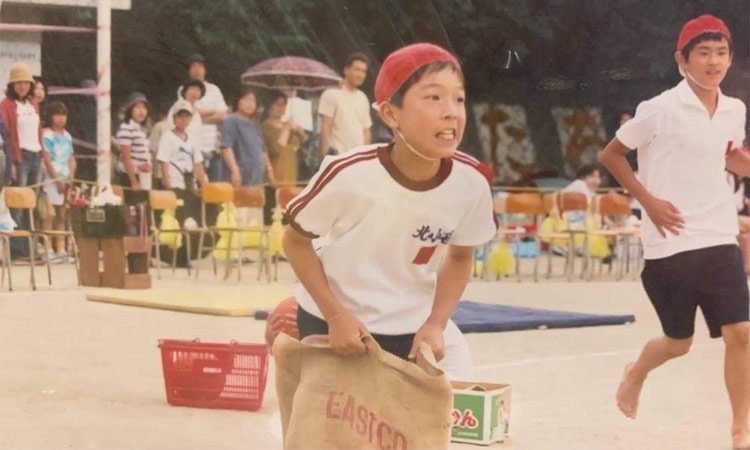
345	111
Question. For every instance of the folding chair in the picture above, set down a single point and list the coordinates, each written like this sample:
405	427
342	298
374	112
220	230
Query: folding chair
23	198
216	193
615	206
528	204
164	201
250	197
551	209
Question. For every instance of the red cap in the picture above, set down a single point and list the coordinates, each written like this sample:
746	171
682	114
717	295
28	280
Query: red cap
402	63
703	24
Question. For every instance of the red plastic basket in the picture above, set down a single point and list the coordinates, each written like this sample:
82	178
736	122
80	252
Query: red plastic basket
207	375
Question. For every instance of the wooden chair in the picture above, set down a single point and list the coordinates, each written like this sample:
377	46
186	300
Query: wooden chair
528	204
555	205
164	201
250	197
615	206
216	193
22	198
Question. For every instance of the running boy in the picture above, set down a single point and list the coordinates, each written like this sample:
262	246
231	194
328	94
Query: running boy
400	220
686	137
59	146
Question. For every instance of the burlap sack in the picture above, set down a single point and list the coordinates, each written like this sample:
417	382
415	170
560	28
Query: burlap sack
372	401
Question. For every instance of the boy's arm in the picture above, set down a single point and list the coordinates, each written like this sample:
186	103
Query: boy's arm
738	162
662	213
165	179
345	331
200	173
451	281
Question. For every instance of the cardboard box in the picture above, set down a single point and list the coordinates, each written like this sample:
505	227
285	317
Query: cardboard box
481	412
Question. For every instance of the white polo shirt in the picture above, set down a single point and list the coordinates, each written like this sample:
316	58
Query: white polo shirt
681	158
385	236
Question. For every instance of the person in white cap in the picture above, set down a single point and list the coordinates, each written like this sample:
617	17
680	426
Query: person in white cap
178	154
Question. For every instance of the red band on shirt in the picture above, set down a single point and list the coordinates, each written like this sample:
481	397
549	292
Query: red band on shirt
328	174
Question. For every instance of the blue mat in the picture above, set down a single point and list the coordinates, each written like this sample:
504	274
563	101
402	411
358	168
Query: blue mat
474	317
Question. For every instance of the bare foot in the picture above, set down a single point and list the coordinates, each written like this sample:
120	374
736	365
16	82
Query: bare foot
741	439
628	393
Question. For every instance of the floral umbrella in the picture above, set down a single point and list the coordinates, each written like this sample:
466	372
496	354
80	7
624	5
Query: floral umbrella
291	72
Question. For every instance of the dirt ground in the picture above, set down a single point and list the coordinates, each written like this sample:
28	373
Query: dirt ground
78	374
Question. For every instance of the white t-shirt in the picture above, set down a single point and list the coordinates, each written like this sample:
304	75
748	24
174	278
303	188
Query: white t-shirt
681	158
350	111
209	132
28	127
385	236
180	154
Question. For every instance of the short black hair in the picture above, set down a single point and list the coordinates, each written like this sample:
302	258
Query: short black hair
56	108
586	171
703	37
11	93
190	83
397	99
356	56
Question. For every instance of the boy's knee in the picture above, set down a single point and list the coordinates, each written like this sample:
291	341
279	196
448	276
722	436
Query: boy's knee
736	335
678	347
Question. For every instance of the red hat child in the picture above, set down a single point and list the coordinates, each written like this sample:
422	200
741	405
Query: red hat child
402	63
702	24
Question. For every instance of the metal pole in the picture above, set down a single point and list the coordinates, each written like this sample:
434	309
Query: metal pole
104	83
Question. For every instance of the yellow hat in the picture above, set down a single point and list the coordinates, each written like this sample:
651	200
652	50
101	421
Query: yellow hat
20	72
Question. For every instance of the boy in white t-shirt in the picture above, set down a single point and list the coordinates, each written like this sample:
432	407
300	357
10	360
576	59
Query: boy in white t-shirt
178	154
399	221
686	137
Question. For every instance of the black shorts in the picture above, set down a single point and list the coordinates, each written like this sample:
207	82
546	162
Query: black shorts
712	278
398	344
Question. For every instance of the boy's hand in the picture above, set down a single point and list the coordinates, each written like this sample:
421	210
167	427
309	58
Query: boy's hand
664	215
60	187
345	334
432	334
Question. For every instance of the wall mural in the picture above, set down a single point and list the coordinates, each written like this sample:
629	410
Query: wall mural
506	142
582	136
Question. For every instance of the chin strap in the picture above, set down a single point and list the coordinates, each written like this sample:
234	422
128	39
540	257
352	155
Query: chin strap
684	72
414	150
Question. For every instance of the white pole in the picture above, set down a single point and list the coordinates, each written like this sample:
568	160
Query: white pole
104	84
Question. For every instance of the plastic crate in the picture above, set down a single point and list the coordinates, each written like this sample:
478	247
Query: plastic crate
209	375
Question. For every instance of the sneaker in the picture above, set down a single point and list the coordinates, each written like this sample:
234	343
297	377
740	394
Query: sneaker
61	258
